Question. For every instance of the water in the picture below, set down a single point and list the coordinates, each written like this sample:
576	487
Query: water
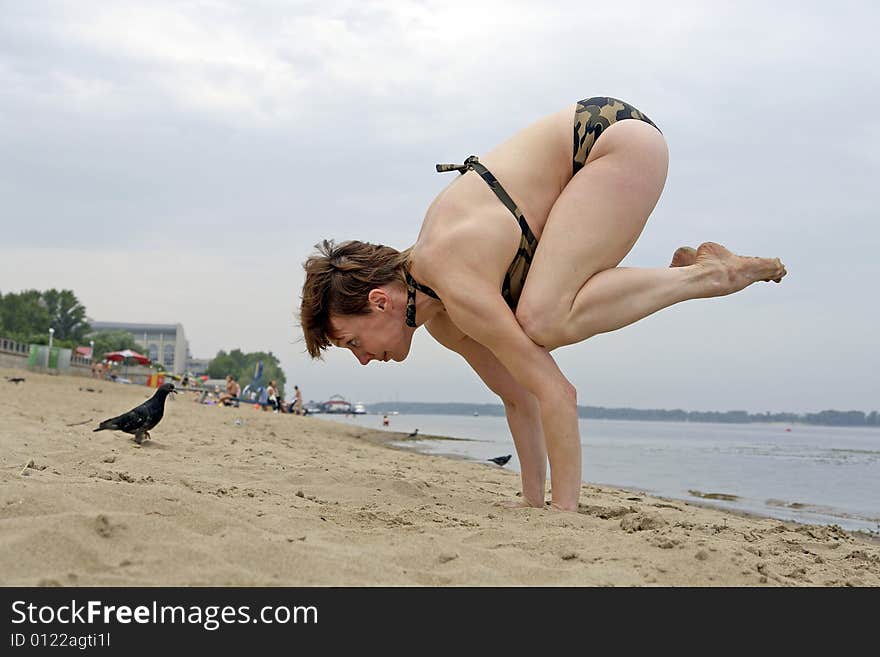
810	474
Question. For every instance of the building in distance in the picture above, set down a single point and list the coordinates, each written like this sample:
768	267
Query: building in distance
165	344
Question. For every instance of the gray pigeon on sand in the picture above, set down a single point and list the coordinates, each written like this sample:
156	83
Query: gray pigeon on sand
138	421
501	460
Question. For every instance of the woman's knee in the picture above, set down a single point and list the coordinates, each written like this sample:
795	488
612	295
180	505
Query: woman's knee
552	330
542	325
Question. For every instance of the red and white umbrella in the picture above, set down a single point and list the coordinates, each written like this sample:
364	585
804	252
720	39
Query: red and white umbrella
125	355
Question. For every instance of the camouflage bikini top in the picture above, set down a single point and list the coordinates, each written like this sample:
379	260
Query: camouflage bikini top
515	277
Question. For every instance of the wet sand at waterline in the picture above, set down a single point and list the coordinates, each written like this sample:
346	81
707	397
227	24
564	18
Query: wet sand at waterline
242	497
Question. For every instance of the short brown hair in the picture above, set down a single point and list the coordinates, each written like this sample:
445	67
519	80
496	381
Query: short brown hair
338	281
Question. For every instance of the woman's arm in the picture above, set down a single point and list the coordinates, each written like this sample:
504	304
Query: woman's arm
520	406
479	311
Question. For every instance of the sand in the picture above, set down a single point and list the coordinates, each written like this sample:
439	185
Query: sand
241	497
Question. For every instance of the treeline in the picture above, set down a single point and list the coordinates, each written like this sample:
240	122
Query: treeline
27	317
243	367
825	418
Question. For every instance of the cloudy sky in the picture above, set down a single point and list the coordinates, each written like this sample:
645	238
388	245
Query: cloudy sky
177	161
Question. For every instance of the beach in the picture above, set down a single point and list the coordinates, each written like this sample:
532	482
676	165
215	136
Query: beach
243	497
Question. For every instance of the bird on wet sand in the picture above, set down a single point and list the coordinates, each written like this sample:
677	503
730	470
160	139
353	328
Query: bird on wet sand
500	460
414	433
138	421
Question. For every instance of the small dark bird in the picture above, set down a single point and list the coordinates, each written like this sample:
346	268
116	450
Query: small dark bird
413	434
15	379
501	460
138	421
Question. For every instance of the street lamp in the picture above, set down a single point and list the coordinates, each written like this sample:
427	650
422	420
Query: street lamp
51	333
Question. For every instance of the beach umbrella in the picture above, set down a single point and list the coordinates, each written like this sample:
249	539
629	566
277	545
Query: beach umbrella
125	356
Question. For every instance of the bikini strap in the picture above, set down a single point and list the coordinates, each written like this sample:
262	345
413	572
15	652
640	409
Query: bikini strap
411	286
472	163
412	283
461	168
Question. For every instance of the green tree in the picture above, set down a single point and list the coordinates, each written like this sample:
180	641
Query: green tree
242	366
113	341
66	315
223	364
24	316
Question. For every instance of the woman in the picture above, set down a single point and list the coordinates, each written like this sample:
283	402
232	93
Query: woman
519	256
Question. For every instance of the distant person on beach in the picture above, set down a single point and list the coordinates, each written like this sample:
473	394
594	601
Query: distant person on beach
297	400
272	396
233	390
519	256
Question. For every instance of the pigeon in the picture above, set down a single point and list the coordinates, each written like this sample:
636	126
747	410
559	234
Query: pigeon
138	421
15	379
413	434
500	460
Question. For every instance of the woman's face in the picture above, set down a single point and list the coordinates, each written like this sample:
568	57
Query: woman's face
380	335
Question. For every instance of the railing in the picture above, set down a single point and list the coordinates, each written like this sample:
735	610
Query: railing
13	347
23	350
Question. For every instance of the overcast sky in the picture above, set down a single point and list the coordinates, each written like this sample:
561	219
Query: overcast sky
177	161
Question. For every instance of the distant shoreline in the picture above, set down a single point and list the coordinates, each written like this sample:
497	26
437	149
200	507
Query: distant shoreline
823	418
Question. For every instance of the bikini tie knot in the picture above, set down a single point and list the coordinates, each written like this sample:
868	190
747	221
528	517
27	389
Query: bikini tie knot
461	168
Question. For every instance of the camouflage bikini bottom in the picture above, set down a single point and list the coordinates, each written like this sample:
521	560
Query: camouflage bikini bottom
592	117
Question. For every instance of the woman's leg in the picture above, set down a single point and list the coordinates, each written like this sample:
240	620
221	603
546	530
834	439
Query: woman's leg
574	288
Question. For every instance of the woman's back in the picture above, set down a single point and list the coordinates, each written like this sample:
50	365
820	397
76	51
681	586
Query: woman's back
467	225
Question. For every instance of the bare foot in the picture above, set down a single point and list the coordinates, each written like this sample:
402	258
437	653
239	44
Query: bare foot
729	273
684	256
565	508
518	504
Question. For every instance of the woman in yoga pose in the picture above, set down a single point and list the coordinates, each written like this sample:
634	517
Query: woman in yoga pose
517	256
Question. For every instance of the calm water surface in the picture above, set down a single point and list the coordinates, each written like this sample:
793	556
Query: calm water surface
809	474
